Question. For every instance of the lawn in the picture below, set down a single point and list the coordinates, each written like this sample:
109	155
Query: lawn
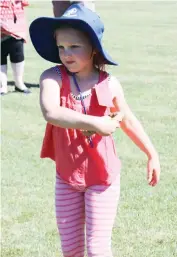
142	37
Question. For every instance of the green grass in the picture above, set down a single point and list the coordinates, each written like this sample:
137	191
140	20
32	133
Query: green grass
142	36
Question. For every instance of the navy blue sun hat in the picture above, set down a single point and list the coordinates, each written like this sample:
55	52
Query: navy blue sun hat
42	32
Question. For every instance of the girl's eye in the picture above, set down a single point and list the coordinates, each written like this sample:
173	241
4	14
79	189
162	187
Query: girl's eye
74	46
60	47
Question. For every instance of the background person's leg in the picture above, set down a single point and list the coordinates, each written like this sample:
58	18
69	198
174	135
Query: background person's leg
59	7
89	4
100	208
18	63
3	71
3	79
70	215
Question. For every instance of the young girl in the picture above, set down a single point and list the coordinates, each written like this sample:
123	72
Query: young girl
79	100
13	36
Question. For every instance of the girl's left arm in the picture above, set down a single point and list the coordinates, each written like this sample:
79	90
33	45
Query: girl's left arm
134	130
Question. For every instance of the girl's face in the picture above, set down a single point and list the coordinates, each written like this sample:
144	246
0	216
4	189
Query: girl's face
75	50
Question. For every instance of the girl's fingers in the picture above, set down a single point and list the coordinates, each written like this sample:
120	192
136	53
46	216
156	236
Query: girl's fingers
149	176
154	179
113	114
117	116
88	133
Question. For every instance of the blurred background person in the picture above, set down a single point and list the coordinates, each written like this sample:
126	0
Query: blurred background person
13	35
59	7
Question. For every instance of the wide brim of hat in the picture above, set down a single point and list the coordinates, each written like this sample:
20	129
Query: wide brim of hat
42	36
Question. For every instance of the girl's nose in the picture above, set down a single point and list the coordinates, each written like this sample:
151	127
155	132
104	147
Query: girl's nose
67	52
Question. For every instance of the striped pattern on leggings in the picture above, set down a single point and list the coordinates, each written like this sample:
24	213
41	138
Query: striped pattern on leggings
94	209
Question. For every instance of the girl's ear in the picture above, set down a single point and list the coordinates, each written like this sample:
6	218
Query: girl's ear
93	53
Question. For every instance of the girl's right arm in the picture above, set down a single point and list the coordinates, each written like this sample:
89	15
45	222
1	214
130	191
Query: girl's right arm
50	84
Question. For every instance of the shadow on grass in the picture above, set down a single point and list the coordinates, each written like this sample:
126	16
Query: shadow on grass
29	85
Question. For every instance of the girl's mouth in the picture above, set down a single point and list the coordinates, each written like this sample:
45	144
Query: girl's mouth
69	62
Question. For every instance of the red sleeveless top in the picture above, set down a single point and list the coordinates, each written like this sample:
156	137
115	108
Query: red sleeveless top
77	163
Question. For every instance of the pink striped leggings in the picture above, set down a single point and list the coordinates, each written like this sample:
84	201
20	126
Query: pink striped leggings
94	209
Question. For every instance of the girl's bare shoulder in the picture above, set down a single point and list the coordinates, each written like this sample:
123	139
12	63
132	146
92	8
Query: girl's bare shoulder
51	75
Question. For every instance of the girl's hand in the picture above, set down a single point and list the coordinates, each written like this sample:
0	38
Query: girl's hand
88	133
107	125
117	117
153	170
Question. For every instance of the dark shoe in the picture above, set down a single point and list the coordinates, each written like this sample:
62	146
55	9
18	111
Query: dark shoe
25	91
3	93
